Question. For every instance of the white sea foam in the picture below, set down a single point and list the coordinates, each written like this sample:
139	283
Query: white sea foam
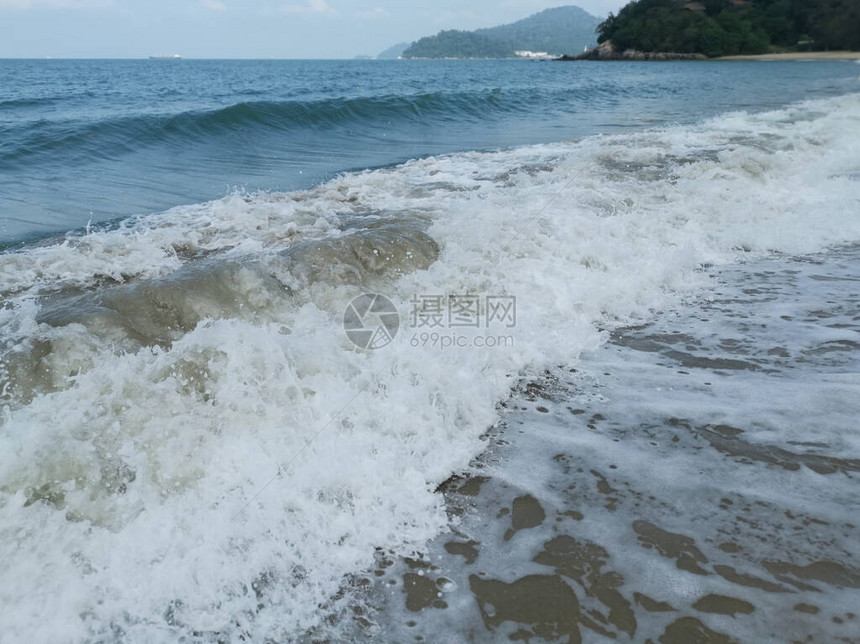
124	481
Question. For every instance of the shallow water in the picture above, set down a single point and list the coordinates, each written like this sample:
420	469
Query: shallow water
695	479
192	447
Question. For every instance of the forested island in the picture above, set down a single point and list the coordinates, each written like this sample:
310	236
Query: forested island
731	27
556	31
458	44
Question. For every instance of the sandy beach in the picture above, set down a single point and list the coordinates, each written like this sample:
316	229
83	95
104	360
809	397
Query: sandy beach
801	55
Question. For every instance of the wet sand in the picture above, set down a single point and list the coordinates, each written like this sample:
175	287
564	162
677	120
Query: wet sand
695	480
800	55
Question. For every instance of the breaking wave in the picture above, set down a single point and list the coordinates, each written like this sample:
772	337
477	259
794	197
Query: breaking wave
191	447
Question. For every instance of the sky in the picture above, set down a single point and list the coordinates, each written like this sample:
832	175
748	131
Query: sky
245	28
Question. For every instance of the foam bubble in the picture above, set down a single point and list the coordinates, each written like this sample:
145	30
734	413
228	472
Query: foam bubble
222	478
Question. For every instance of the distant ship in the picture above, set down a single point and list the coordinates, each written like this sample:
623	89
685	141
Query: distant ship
173	57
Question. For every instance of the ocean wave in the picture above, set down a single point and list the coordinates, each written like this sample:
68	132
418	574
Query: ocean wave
59	141
17	103
118	135
218	477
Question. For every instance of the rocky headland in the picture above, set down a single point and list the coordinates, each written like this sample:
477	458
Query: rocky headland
606	51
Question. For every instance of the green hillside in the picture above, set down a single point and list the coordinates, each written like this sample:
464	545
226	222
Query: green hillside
393	52
458	44
728	27
557	31
561	30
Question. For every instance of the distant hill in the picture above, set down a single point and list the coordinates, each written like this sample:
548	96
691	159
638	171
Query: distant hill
394	51
562	30
459	44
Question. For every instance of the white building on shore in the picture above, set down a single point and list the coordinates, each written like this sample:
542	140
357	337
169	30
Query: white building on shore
524	53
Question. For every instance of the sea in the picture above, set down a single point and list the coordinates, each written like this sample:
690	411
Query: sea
445	351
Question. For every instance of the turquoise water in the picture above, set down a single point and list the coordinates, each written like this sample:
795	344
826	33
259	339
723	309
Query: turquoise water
93	141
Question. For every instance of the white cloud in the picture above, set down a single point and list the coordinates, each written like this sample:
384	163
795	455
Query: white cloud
309	6
213	5
56	4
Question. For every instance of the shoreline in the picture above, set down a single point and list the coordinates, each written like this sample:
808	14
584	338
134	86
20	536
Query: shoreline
607	52
798	55
664	519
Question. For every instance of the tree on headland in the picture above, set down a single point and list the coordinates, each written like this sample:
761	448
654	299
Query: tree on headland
835	24
459	44
728	27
